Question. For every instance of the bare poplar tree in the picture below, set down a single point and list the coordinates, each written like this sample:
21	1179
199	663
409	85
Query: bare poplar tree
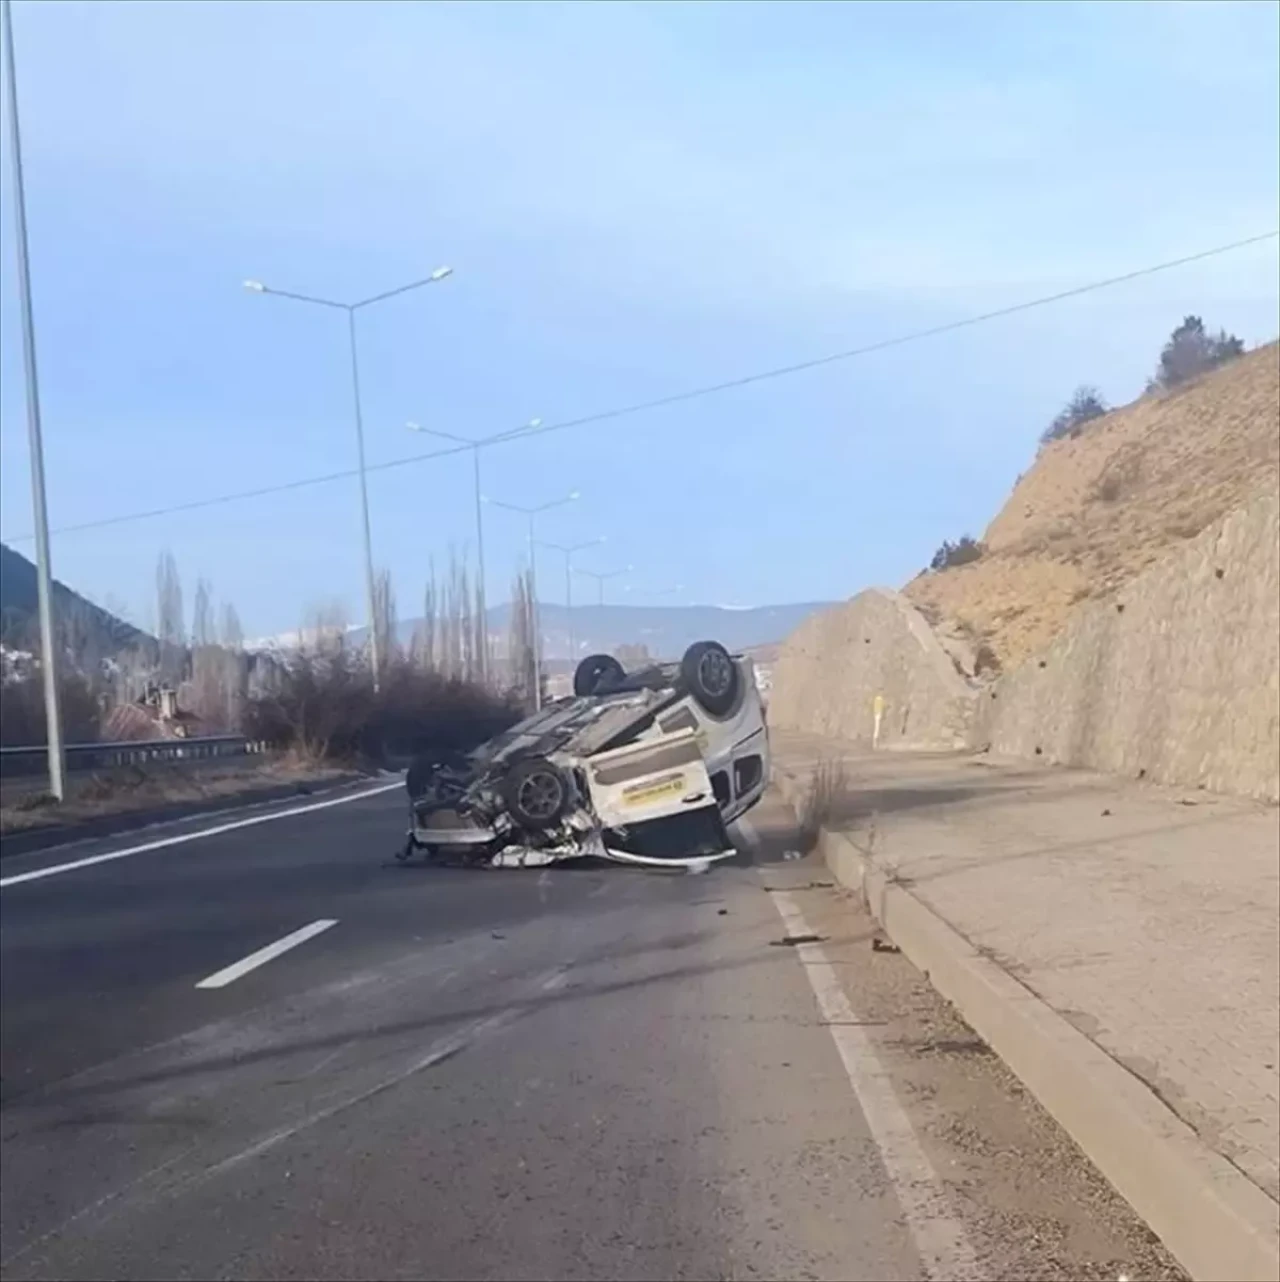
232	635
425	635
132	670
202	629
451	622
448	637
520	650
324	628
448	657
484	652
384	615
169	616
468	663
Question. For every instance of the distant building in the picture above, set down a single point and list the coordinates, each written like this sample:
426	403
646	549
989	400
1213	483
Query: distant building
155	716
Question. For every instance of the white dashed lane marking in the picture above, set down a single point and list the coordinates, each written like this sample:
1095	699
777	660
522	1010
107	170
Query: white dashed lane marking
229	974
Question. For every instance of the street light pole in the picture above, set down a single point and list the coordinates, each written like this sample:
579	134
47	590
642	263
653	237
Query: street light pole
483	603
370	586
39	509
568	582
371	594
536	608
602	579
532	514
476	445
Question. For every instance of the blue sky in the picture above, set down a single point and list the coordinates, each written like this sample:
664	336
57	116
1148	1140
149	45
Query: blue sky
636	199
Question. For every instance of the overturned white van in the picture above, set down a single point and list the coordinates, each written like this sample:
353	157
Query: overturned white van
647	767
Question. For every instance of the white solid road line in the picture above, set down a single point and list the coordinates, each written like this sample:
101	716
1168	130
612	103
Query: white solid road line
940	1239
229	974
162	842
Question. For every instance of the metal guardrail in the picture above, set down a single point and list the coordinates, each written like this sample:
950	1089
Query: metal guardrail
23	761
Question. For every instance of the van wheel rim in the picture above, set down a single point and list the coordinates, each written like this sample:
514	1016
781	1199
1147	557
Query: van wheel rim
540	796
715	671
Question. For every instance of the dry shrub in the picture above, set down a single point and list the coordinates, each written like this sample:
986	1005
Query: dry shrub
986	661
1109	487
22	721
102	785
28	801
1120	479
822	802
321	705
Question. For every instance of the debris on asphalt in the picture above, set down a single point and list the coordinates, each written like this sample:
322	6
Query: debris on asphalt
792	940
722	912
879	945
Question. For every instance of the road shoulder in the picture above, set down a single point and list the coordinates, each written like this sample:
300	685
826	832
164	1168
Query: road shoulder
1030	1203
920	835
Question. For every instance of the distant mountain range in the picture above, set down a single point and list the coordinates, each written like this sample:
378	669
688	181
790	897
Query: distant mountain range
666	631
95	630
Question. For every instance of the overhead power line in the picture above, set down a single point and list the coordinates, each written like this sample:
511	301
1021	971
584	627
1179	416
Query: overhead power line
675	398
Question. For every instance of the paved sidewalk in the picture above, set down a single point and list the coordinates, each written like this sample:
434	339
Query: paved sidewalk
1147	917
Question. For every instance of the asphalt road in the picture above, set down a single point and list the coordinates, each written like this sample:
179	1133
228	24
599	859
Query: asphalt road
565	1073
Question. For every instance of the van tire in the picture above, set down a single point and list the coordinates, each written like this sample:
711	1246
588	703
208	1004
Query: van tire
536	793
712	677
595	674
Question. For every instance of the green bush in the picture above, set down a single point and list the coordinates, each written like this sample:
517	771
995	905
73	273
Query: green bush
962	552
1085	405
1192	351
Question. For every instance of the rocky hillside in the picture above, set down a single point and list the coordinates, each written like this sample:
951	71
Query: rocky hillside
1095	510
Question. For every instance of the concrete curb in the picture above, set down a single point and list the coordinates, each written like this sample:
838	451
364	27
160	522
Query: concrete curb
1217	1222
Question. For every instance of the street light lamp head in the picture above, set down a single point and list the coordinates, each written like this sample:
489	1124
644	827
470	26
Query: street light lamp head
441	272
534	422
255	287
414	427
574	494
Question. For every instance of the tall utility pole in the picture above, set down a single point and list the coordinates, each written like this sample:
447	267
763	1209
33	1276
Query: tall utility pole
475	445
371	593
531	514
39	510
568	553
602	579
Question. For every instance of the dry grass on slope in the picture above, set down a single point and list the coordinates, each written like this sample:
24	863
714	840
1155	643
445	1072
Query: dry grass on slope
1096	510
